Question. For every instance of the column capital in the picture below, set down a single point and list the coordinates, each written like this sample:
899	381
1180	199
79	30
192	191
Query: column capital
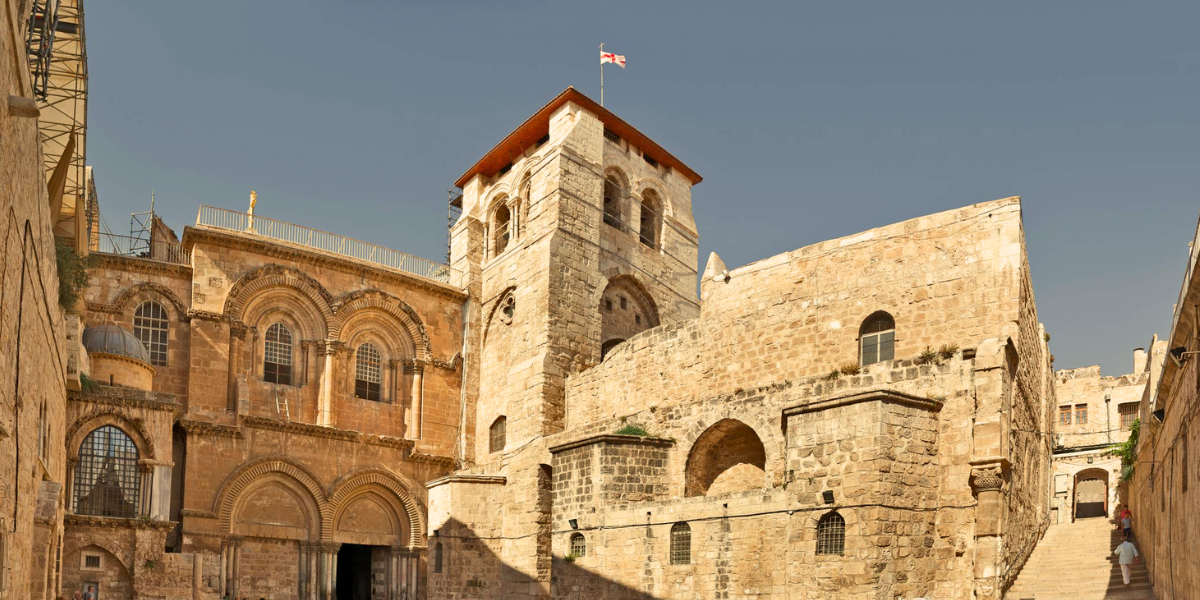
330	347
238	329
987	479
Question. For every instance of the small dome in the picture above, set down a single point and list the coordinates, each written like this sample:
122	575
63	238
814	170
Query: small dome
110	339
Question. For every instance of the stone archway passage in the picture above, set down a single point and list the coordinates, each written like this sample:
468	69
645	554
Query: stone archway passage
1091	498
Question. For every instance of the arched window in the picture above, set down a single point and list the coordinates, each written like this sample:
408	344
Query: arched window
496	436
681	544
831	534
578	545
651	217
277	355
500	232
368	378
878	338
526	193
612	202
107	480
150	327
608	347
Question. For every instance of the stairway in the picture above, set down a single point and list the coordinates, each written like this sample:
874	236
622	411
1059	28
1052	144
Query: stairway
1074	561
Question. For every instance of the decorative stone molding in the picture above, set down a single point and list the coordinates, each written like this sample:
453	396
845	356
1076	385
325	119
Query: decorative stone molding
197	514
127	398
484	479
345	488
454	364
612	438
267	276
118	305
115	523
133	427
885	395
239	329
206	428
204	315
432	459
987	479
330	347
333	433
251	471
374	299
131	264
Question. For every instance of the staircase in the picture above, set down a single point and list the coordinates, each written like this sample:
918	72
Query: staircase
1074	561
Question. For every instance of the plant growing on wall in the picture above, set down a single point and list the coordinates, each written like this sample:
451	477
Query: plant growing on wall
633	429
947	351
1127	450
850	368
928	355
72	275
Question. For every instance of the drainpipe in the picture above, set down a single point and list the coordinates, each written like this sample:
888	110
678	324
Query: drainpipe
1108	414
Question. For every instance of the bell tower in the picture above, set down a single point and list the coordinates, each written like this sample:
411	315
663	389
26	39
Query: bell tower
576	235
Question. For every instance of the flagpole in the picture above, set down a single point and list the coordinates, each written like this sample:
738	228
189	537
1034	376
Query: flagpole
601	74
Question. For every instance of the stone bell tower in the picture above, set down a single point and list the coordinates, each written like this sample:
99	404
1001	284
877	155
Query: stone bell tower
576	234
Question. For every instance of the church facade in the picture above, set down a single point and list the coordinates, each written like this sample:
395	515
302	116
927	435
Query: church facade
277	412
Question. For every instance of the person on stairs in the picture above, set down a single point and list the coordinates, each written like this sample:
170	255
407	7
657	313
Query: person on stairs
1126	554
1127	522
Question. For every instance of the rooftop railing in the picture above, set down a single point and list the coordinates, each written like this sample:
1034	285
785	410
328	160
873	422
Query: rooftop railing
230	220
124	245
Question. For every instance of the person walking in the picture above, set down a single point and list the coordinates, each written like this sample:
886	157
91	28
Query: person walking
1127	522
90	594
1126	554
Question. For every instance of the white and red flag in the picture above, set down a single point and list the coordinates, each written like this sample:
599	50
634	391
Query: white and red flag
608	57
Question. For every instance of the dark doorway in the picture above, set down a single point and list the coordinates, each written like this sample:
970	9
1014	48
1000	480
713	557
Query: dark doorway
354	572
1091	496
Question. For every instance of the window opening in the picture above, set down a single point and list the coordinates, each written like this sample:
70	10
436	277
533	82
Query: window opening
878	339
91	561
496	435
649	160
578	545
1064	415
150	327
368	378
608	305
1129	413
612	207
501	230
649	219
277	357
612	137
831	534
681	544
107	480
1081	414
623	304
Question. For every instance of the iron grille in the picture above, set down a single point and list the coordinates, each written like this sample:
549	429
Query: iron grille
277	355
150	327
831	534
1129	413
578	545
681	544
107	480
368	378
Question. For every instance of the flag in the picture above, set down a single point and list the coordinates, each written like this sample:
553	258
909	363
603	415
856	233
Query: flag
608	57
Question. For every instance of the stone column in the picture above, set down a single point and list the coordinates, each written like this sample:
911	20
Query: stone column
328	378
223	579
197	575
418	369
988	484
236	566
146	474
237	333
402	567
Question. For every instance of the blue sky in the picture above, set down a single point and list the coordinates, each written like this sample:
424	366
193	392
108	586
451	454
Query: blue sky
807	121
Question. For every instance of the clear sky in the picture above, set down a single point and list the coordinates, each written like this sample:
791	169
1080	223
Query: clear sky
807	121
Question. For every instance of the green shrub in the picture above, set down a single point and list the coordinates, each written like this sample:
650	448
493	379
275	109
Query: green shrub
850	368
927	356
834	374
72	276
571	557
947	351
1127	450
633	429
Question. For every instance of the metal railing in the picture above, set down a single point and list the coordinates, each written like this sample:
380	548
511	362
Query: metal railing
124	245
229	220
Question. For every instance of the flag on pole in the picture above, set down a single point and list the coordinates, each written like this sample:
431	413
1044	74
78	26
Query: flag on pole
608	57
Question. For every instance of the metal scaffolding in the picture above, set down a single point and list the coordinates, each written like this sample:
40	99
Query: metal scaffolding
454	212
58	66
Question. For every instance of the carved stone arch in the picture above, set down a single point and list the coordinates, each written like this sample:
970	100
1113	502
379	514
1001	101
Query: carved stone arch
250	284
626	277
509	292
303	319
78	543
346	489
649	183
620	169
248	473
96	418
349	304
151	288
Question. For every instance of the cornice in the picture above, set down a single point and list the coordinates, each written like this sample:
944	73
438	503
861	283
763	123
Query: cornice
120	358
612	438
197	514
119	396
205	315
142	265
116	523
206	428
872	395
284	251
431	459
464	478
309	429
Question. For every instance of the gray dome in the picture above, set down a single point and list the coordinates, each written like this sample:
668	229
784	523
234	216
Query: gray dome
110	339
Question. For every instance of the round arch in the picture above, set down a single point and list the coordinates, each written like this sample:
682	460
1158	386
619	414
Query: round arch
1089	493
256	472
146	290
347	307
99	417
728	457
248	287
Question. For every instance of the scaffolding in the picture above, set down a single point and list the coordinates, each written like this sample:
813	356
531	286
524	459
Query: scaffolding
455	208
58	66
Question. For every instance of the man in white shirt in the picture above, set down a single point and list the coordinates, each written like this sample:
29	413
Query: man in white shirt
1126	554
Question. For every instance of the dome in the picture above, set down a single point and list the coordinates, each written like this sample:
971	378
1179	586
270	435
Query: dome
110	339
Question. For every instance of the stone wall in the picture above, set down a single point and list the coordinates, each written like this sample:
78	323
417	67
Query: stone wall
34	347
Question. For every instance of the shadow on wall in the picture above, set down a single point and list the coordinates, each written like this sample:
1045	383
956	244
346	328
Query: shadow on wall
465	563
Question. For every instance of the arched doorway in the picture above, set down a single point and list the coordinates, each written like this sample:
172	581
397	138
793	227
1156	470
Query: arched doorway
1091	493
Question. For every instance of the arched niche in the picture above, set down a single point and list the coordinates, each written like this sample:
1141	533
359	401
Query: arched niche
727	457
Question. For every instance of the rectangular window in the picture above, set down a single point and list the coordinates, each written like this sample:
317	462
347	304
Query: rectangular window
649	160
1129	413
91	561
1064	415
612	137
878	347
1081	414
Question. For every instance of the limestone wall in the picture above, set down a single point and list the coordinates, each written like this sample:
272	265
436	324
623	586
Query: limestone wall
33	343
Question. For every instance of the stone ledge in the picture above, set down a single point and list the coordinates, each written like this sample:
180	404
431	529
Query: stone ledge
612	438
872	395
128	397
197	514
118	523
325	432
206	428
487	479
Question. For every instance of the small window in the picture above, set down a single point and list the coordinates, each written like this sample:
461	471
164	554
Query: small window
277	355
437	557
150	327
368	378
681	544
878	338
1081	414
650	219
500	231
607	347
1129	414
612	137
496	436
91	561
623	305
578	545
831	534
649	160
608	305
637	319
1064	415
612	206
